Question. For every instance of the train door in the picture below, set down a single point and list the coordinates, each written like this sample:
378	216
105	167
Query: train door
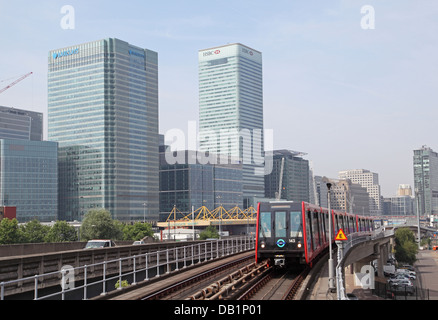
309	232
316	230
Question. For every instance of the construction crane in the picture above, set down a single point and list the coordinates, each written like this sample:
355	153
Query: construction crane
15	82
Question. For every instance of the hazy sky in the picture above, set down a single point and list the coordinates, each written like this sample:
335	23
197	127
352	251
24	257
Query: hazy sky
349	97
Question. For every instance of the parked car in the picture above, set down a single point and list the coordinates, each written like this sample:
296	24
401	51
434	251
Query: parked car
352	296
96	244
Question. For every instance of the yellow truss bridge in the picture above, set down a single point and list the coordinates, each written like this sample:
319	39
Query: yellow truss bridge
203	217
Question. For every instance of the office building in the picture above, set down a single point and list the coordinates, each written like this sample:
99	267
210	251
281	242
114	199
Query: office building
20	124
370	181
103	111
29	179
295	179
321	192
350	197
404	190
426	180
231	110
191	184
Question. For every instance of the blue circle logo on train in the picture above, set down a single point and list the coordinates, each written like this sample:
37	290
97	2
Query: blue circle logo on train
281	243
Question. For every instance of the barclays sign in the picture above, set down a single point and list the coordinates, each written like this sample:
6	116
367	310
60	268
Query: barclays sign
71	52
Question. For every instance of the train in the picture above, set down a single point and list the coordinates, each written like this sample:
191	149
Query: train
295	233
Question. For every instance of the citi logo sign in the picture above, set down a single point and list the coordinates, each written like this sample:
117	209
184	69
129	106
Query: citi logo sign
211	53
57	55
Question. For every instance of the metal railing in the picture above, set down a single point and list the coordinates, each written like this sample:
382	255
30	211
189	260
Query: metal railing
353	240
151	264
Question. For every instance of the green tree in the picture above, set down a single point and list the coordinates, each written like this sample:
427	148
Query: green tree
405	246
98	224
137	231
34	232
209	233
61	232
10	233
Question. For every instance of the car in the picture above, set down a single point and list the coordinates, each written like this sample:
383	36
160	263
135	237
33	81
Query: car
138	242
352	296
98	244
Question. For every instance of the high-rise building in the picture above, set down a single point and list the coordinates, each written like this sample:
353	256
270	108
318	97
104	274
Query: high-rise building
103	111
295	179
20	124
426	180
370	181
29	178
231	110
404	190
350	197
192	184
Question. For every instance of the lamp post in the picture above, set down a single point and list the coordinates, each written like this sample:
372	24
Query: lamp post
331	279
418	215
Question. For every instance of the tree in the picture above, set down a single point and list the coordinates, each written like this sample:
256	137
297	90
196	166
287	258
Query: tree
209	233
405	246
10	233
98	224
34	232
61	232
137	231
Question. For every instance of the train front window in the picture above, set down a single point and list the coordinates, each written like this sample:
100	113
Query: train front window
265	224
280	224
295	225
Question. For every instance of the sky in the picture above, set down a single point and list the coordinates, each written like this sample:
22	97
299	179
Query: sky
349	96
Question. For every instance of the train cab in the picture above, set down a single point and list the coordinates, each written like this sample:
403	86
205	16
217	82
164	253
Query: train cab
280	235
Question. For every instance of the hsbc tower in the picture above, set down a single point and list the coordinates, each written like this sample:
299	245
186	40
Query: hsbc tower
231	110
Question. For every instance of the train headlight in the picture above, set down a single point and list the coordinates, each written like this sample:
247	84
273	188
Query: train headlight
299	245
262	245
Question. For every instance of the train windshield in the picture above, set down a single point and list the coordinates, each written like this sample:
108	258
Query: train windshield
265	224
280	224
295	225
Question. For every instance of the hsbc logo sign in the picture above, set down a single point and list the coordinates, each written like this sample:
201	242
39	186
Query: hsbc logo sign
244	50
211	53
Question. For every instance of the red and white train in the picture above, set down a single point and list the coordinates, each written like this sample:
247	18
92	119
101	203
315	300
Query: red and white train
290	233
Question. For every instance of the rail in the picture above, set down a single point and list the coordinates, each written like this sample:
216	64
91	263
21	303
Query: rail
146	263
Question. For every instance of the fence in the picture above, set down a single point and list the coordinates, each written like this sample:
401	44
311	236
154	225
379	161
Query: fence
141	268
387	291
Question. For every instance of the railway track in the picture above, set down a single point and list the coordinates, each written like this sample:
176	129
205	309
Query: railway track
234	278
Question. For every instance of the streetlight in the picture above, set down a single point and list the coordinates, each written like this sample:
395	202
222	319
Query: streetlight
331	279
417	191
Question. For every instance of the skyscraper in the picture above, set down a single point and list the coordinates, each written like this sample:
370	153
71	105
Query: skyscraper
20	124
368	180
426	180
295	180
103	111
231	110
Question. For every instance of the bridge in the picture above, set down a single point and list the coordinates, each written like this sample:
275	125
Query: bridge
203	217
34	274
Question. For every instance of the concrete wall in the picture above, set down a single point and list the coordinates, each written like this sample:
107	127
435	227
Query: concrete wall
38	248
18	267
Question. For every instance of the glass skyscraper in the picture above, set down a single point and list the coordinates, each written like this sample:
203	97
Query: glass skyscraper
426	180
231	110
103	111
20	124
29	178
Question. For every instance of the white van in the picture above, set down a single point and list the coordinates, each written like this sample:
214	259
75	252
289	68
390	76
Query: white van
97	244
